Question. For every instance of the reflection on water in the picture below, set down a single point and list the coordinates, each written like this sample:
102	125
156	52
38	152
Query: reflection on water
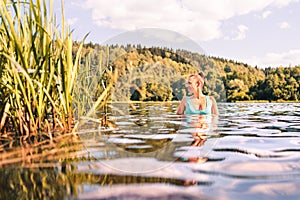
251	151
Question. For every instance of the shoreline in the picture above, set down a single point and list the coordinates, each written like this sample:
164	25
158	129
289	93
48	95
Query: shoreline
249	101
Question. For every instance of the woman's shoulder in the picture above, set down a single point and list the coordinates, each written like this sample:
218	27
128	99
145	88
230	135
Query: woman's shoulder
187	97
183	100
212	98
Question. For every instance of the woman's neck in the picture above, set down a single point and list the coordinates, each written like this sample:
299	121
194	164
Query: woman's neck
199	95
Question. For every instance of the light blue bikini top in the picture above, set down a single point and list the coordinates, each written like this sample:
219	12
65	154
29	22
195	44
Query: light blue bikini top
190	109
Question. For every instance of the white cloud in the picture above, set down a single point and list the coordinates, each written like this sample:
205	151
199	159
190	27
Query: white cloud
284	25
241	32
282	3
72	21
77	3
288	58
266	14
199	20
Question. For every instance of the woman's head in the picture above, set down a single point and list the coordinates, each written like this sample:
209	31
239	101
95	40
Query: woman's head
195	81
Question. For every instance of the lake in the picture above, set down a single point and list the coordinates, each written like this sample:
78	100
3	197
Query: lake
250	151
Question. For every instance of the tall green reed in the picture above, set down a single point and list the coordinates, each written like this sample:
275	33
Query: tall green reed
37	68
92	92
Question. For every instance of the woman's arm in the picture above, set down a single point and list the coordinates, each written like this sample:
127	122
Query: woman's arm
181	107
214	106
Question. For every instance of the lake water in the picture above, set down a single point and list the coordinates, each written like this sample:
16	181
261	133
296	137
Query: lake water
251	151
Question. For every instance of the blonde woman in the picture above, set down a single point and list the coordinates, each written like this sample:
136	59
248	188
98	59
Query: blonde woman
198	103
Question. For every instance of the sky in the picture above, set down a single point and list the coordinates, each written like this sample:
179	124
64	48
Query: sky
260	33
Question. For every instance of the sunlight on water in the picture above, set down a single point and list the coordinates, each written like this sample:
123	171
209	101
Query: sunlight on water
251	151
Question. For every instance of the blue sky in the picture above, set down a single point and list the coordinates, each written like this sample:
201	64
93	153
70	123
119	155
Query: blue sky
258	32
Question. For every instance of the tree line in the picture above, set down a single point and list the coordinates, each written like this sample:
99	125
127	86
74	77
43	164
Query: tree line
159	74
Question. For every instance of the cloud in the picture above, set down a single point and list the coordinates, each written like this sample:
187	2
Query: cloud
288	58
72	21
199	20
284	25
241	32
266	14
282	3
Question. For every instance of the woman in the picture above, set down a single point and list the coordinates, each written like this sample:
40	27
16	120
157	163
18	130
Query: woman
198	103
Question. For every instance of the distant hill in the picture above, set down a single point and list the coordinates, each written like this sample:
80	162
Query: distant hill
159	74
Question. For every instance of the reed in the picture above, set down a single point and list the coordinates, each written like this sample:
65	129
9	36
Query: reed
92	91
37	68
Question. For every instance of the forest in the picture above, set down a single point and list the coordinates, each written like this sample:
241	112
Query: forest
159	74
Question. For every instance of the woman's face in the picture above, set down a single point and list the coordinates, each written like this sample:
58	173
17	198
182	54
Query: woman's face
191	84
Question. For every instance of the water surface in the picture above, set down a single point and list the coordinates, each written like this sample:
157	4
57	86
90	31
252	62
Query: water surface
251	151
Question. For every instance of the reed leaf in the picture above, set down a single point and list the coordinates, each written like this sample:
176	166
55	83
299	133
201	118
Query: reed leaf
37	68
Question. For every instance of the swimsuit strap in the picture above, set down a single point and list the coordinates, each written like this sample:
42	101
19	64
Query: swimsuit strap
208	104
